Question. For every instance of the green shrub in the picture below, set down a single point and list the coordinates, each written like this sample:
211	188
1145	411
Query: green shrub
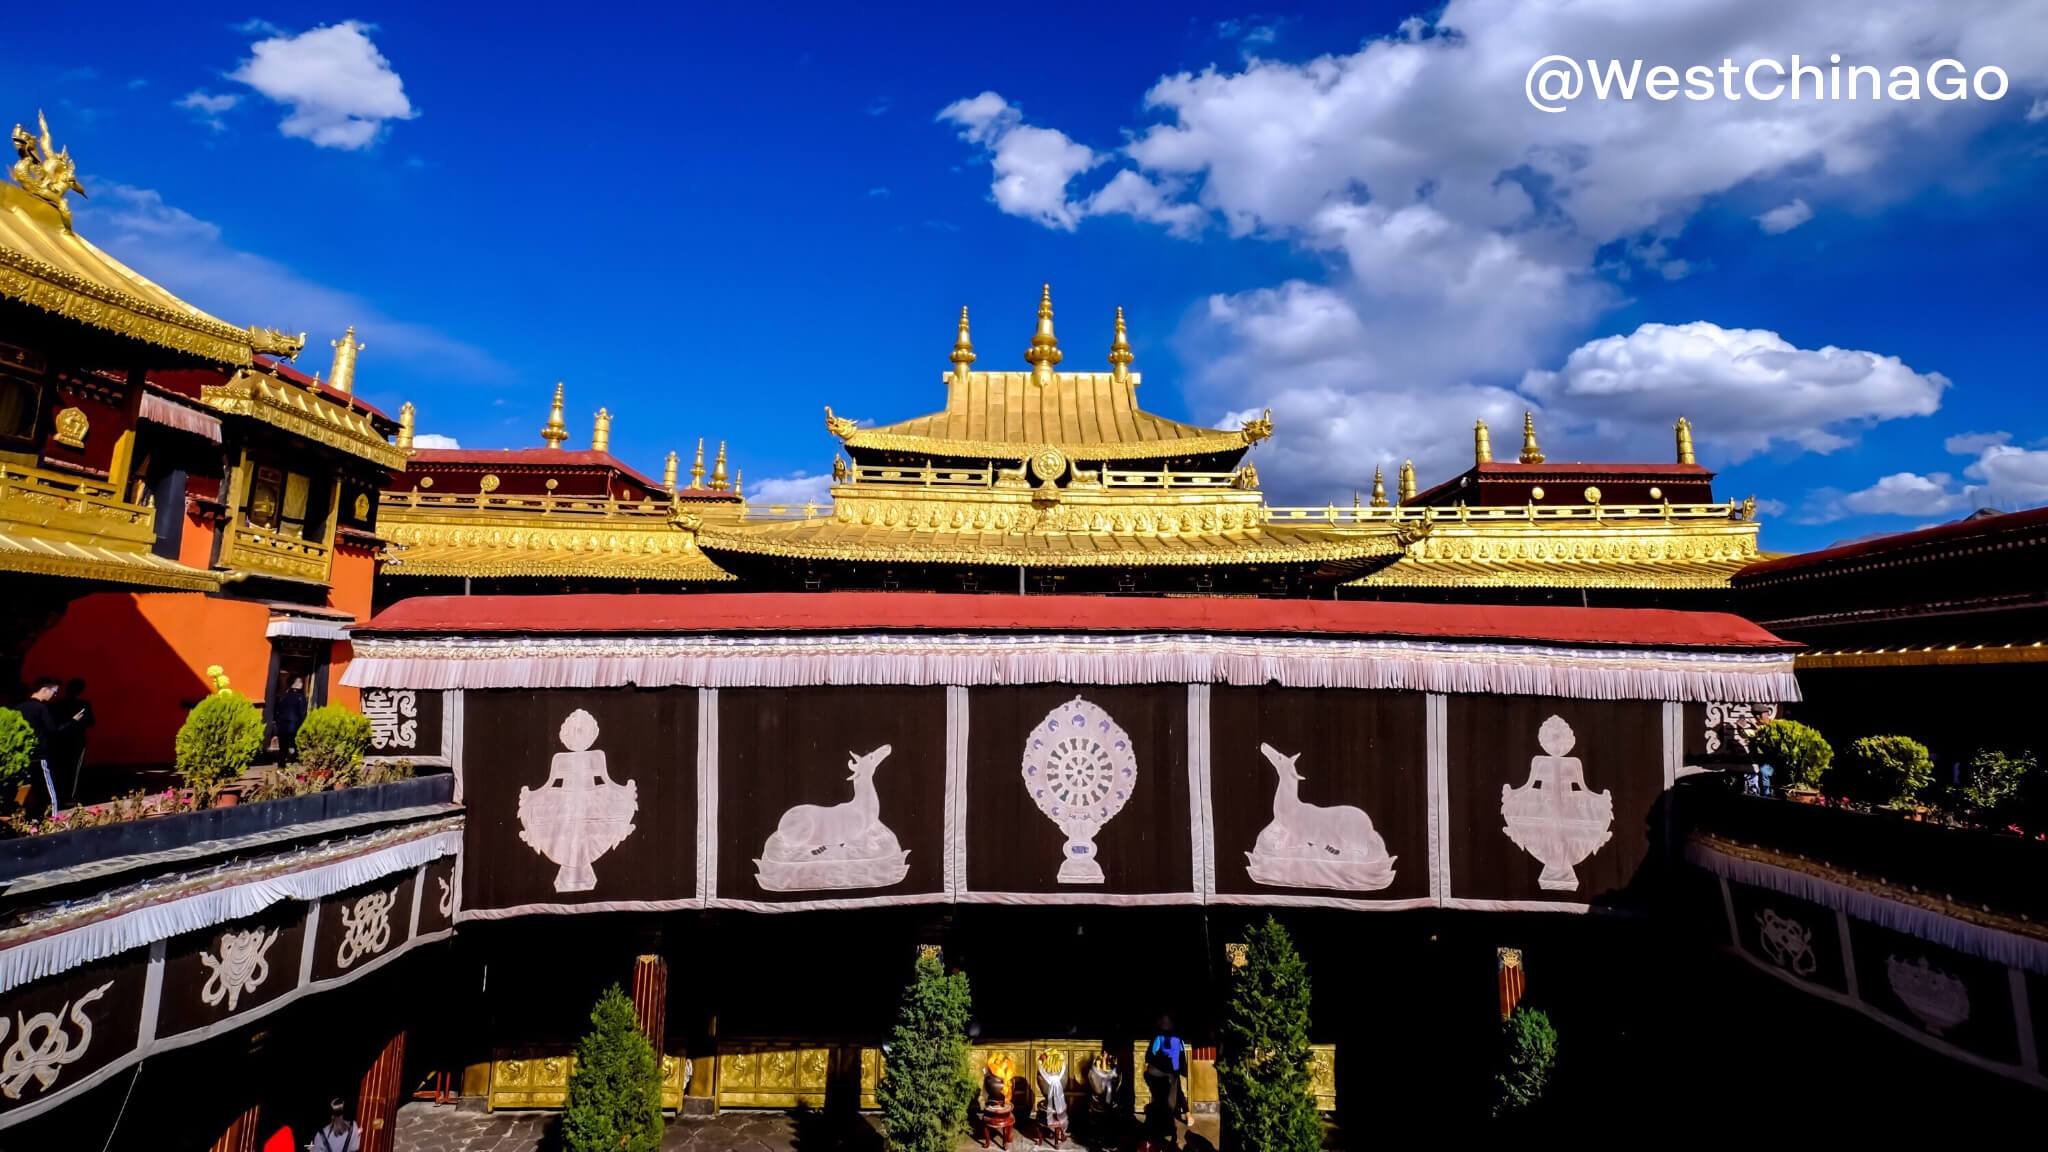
926	1082
614	1102
1889	771
387	771
17	747
218	742
1263	1073
1799	754
1528	1051
332	741
1992	783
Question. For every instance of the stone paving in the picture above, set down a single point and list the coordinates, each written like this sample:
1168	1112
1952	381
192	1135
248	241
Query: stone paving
430	1128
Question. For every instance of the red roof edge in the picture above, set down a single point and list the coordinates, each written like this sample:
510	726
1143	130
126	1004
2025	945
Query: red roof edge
1954	532
953	612
538	457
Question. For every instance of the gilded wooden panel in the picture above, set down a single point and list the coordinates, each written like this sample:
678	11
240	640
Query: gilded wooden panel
542	1081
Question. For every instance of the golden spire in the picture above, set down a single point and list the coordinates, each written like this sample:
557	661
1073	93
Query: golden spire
963	349
556	431
1482	444
668	473
739	479
1120	351
1684	429
1045	347
345	349
1531	454
1407	481
718	481
1379	488
601	431
697	468
405	419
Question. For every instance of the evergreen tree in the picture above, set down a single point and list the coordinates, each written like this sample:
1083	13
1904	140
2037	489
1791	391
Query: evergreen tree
1263	1072
926	1082
614	1100
1528	1051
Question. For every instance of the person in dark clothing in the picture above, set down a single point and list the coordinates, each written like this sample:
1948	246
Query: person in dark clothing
74	715
43	718
291	715
1166	1061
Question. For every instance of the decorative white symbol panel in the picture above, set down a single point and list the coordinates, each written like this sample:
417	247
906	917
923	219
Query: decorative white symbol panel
394	718
446	905
1080	770
580	813
1786	941
366	927
837	846
241	967
1310	846
1553	816
1738	721
1937	998
42	1046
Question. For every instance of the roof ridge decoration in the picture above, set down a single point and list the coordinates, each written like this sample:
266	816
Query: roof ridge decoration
1044	353
963	353
556	430
45	171
1120	355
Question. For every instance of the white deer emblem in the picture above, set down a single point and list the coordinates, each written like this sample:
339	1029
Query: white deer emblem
835	846
1312	846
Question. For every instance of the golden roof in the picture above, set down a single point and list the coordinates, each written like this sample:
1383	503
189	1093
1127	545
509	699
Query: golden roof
54	524
304	412
1086	415
834	539
486	535
45	264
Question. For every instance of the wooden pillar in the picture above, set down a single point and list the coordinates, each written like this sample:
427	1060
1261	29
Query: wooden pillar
121	465
650	1000
377	1104
241	1135
1512	980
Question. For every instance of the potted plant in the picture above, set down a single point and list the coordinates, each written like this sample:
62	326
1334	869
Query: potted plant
218	742
1800	755
331	745
17	754
1889	772
1992	785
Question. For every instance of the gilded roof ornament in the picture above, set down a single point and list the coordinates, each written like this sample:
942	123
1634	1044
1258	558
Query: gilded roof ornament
839	469
406	415
1407	488
697	467
839	426
1259	429
1044	352
1120	351
276	344
668	472
963	350
1379	488
601	431
556	431
739	480
1482	444
44	170
1684	430
719	483
344	375
1531	454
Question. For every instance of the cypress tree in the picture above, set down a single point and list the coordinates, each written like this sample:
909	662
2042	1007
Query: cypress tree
926	1083
614	1100
1263	1070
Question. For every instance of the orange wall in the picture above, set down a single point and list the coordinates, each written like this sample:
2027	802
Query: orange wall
355	571
143	656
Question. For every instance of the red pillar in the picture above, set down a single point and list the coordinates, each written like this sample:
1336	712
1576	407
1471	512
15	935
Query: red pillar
1512	980
241	1135
650	1000
377	1104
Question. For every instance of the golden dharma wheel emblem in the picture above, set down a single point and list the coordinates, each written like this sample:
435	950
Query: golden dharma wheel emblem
1592	494
552	483
426	481
1536	493
71	428
1656	493
1048	464
489	483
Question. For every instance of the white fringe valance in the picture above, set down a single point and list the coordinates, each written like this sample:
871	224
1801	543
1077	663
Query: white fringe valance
1947	931
36	958
980	659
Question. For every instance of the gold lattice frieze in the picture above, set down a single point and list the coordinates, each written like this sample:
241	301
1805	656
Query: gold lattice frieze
1616	552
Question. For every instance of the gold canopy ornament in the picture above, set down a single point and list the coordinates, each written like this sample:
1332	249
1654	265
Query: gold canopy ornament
556	431
1531	454
668	473
1482	444
963	353
44	170
1407	489
1120	356
601	431
1044	352
344	375
1684	430
406	415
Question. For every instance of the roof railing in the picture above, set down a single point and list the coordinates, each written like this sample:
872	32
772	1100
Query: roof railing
1514	513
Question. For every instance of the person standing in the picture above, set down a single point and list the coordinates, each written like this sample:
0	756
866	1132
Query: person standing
74	715
339	1135
43	719
1165	1064
291	716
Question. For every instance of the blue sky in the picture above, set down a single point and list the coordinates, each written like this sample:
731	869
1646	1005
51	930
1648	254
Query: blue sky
716	223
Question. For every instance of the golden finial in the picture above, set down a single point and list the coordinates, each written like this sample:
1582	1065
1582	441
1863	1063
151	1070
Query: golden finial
1045	347
1407	481
345	349
739	480
1354	498
1379	488
601	431
1482	444
556	431
45	171
405	419
718	481
668	473
1531	454
1120	351
1684	429
697	467
963	349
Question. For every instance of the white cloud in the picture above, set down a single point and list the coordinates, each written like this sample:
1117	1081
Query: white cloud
341	90
1785	217
188	256
2039	110
432	440
2004	475
1033	166
796	488
1469	236
207	107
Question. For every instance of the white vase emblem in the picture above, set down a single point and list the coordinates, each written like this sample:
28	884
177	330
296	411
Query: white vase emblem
241	967
1311	846
580	813
1554	816
1080	770
1937	998
840	846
